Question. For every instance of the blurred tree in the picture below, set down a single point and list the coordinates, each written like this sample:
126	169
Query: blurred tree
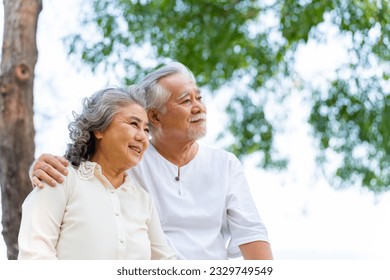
19	56
250	45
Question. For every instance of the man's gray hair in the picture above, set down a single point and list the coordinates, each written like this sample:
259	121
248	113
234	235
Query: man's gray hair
156	96
97	113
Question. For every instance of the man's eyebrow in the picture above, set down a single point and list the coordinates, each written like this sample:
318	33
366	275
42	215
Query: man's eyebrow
187	93
183	95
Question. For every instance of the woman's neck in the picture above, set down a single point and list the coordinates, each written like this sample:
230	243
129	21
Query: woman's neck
114	175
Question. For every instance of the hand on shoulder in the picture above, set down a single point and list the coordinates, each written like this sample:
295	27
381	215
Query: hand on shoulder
49	169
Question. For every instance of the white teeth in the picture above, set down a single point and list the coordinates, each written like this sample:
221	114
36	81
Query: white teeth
135	149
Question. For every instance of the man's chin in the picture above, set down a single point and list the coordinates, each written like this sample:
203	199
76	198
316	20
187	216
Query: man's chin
196	135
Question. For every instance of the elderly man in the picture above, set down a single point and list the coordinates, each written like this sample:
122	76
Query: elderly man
201	193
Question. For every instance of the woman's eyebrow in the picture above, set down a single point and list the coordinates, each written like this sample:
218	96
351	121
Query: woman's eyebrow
135	118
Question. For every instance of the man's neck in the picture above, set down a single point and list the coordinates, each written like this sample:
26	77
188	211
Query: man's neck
178	153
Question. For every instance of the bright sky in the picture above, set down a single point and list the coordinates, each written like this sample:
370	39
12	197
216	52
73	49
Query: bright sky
306	218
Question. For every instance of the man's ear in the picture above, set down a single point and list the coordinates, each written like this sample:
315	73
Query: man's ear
154	117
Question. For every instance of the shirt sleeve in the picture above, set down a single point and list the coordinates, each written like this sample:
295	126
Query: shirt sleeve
159	245
243	219
42	214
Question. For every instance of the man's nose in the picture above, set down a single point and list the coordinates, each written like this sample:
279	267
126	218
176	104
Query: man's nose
199	106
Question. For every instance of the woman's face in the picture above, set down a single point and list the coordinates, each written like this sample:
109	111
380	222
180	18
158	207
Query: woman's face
123	143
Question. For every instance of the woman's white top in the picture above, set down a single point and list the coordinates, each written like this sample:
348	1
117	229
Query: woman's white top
87	218
209	211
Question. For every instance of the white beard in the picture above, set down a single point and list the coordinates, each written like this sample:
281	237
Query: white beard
196	134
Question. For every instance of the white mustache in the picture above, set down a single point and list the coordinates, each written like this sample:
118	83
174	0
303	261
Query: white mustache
198	117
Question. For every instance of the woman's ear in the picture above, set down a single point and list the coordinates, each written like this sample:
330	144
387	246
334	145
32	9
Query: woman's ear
98	134
154	117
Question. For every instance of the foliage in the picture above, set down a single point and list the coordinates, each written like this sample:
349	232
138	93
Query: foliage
252	44
351	116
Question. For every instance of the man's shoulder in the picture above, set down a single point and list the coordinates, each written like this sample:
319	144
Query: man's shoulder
211	149
217	152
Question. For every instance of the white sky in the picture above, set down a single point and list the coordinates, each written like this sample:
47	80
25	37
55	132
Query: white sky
306	218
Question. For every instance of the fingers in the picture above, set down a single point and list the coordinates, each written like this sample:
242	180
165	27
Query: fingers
63	161
40	176
57	163
50	169
36	182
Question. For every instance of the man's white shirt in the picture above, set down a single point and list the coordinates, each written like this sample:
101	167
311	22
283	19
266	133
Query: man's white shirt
209	211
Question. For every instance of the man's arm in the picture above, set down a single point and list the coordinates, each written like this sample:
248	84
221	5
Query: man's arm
257	250
49	169
248	232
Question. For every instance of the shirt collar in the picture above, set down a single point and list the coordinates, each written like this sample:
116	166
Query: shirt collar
88	170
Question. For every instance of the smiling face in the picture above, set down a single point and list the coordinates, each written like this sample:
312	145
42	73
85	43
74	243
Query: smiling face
122	144
185	114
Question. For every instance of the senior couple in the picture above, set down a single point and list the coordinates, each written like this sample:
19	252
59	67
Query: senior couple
182	200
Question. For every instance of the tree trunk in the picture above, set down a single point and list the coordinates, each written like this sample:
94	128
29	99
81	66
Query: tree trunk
17	132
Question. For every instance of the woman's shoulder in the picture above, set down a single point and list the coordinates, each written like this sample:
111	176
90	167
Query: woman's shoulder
72	171
71	178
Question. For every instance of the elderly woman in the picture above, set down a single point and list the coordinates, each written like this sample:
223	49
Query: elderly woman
97	213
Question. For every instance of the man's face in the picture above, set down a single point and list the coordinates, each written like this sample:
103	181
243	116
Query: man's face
185	116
